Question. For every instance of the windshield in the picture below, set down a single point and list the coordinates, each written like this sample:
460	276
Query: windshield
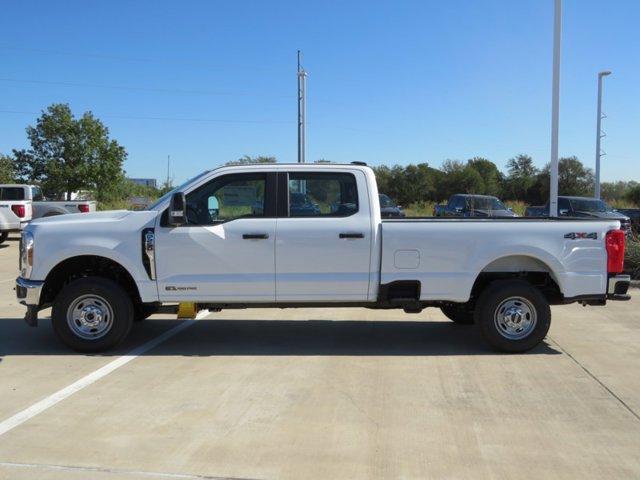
176	189
385	202
589	205
484	203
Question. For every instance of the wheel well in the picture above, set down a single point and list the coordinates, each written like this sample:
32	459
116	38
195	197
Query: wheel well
543	281
86	266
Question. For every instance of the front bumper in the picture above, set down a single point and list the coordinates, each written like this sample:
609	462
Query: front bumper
28	294
618	287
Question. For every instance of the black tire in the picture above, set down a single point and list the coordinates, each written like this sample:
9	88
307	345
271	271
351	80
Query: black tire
499	328
142	311
459	314
111	296
3	236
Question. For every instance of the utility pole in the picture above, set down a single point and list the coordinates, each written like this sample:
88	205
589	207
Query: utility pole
555	109
168	165
302	111
599	133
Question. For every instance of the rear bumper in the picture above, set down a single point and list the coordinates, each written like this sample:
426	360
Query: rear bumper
618	286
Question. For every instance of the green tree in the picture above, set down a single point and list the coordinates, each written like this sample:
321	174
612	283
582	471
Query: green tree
573	179
7	169
492	178
633	195
460	178
69	154
521	178
612	191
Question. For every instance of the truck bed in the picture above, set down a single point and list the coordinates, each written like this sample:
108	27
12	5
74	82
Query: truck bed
446	259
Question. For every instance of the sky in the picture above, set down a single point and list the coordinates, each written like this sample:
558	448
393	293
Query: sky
391	82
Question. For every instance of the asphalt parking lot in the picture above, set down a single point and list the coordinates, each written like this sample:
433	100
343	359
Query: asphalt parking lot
310	393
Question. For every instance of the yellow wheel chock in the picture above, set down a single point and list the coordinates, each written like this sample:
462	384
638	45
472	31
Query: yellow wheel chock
187	310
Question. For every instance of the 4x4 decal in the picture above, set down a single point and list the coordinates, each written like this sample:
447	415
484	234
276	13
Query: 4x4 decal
581	236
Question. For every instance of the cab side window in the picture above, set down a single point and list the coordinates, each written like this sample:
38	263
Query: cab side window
322	194
36	194
227	198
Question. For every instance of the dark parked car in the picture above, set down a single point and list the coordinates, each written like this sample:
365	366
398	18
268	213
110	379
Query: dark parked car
634	216
464	205
581	207
388	208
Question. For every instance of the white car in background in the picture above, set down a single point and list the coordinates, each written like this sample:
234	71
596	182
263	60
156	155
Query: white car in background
19	204
15	210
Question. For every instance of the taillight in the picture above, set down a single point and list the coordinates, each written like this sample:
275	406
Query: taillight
19	210
614	241
83	207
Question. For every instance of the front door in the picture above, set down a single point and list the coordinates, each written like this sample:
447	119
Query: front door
323	246
225	252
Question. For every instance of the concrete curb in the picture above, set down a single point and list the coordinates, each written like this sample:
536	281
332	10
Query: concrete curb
635	284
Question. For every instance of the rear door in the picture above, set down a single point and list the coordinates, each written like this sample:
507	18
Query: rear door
323	244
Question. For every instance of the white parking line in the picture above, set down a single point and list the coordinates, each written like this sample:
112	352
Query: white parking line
48	402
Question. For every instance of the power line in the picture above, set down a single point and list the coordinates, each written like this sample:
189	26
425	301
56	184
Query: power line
177	119
124	58
205	120
133	88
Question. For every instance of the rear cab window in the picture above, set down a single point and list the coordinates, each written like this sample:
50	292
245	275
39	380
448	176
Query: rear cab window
11	193
322	194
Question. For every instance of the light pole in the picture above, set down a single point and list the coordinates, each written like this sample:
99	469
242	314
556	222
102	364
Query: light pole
599	133
555	109
302	111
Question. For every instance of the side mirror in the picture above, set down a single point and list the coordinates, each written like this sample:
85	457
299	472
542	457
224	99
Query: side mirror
564	212
177	210
459	209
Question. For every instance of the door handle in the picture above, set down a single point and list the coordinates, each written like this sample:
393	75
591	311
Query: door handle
351	235
255	236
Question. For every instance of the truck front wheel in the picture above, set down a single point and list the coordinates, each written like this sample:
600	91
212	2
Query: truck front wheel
3	236
513	315
92	314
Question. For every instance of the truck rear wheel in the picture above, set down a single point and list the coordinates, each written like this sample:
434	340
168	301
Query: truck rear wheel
92	314
513	316
459	314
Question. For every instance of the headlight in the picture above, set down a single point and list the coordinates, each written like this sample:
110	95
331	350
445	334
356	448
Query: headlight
26	254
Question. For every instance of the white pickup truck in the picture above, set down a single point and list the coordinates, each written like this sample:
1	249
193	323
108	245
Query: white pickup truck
309	236
15	211
19	204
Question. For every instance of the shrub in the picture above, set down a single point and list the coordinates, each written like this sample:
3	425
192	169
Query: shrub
632	259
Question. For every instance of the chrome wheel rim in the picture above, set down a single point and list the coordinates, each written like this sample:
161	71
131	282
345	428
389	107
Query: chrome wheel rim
90	317
515	318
